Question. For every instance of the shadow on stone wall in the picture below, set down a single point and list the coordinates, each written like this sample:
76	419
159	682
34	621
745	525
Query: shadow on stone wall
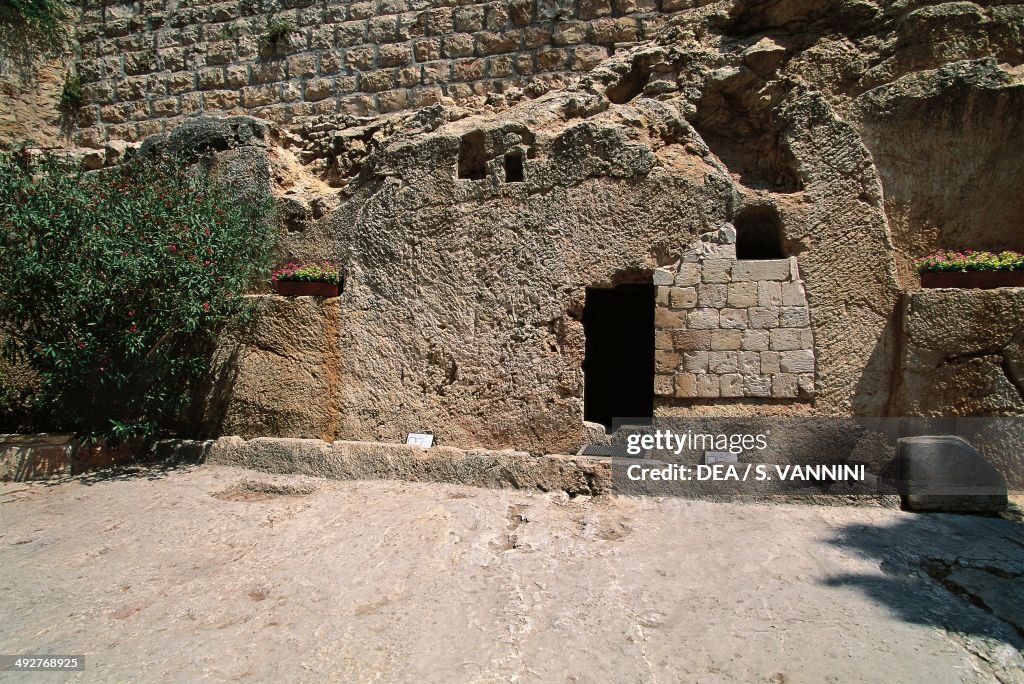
34	64
209	407
880	379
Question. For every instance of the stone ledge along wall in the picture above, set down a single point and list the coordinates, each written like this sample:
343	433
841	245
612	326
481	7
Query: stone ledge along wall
147	64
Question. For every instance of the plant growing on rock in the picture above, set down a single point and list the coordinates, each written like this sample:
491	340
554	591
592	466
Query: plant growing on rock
71	94
46	18
31	32
969	260
278	33
228	32
115	281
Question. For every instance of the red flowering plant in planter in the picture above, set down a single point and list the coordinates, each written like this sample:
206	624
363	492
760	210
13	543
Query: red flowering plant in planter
972	269
317	280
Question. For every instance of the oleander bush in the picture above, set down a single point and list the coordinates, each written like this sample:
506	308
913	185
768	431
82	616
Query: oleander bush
113	283
970	261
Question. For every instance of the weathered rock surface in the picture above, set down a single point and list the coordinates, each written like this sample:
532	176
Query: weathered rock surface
498	268
277	373
36	457
963	353
463	310
470	233
939	140
462	314
30	93
48	456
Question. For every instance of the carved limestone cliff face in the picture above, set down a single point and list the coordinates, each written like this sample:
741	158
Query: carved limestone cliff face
471	240
471	229
470	245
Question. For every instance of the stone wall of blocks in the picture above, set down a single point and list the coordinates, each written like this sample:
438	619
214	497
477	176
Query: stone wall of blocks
146	64
733	329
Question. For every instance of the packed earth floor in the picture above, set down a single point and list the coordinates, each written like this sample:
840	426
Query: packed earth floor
214	573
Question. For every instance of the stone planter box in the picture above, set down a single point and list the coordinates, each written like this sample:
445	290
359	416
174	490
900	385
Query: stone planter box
985	280
293	288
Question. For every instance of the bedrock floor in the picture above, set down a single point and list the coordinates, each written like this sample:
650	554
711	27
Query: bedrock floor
218	573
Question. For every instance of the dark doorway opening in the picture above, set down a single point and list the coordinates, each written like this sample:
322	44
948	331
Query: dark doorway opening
618	370
472	156
758	233
514	167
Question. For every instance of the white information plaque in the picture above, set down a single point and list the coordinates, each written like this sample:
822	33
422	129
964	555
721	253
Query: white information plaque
420	439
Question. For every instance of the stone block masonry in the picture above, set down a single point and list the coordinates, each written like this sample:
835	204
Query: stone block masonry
728	329
146	64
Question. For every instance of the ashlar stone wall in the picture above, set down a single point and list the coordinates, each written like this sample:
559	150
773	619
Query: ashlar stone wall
728	328
146	64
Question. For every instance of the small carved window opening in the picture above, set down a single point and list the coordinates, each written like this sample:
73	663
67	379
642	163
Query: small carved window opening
514	172
758	233
472	156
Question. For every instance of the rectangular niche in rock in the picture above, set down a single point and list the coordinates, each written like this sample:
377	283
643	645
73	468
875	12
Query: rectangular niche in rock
514	168
472	156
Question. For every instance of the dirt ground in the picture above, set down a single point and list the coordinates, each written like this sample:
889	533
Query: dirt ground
219	574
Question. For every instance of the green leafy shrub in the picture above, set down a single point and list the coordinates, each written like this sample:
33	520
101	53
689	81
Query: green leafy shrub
970	261
71	94
114	282
308	273
47	14
279	32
